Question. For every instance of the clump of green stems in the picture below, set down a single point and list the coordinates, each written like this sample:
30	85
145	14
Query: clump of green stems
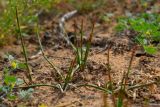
66	79
82	52
70	75
75	65
79	63
108	88
28	73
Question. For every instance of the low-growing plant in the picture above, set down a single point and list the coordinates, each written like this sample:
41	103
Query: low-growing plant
10	81
7	88
78	62
147	28
120	93
25	94
65	79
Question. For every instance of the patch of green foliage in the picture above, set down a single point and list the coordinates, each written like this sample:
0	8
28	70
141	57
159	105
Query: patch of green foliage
28	12
10	80
147	27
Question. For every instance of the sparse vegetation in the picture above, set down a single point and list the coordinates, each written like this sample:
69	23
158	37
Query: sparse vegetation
87	64
147	28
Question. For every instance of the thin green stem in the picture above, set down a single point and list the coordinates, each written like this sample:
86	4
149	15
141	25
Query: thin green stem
142	85
129	67
109	68
109	76
23	47
69	75
124	80
36	85
45	57
137	86
81	44
88	47
96	87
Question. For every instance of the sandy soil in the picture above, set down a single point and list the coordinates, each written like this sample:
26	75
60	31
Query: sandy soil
145	69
